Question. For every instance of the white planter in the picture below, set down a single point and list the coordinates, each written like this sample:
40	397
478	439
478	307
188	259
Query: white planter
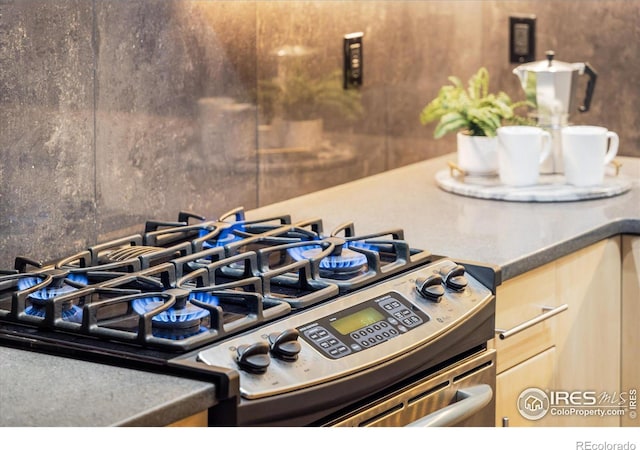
478	155
302	133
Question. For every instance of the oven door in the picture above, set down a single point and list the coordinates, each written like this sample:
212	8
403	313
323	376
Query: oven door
461	394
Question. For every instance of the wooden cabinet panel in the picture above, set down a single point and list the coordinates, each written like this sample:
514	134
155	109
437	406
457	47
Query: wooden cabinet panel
588	340
536	371
586	337
519	300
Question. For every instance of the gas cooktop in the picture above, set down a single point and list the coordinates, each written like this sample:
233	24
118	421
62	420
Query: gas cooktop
265	309
180	285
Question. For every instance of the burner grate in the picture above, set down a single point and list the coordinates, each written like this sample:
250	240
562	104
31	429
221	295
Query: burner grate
178	285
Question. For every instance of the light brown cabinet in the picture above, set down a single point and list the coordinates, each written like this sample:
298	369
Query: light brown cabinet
578	345
536	371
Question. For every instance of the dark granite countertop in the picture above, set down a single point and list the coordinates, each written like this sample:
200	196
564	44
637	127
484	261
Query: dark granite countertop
514	236
39	390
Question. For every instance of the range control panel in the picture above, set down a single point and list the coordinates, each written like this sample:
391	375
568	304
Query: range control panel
363	326
353	332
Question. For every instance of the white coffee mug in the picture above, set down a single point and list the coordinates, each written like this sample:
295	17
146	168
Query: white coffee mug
521	151
586	150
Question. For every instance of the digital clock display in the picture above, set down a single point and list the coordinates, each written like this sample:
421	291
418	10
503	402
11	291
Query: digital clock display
357	320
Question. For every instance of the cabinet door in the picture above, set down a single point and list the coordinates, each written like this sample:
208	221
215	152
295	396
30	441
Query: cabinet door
536	371
588	334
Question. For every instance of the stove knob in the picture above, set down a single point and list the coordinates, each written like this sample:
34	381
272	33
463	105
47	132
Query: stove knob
431	288
253	358
285	345
455	279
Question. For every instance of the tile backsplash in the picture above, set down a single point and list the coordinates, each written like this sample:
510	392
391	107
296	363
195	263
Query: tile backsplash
114	112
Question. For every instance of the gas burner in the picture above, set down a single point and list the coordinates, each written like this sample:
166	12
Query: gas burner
218	239
181	315
177	322
16	287
343	262
200	236
27	281
62	283
70	312
343	259
174	317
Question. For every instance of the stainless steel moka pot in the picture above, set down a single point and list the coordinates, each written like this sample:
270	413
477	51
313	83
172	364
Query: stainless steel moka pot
551	86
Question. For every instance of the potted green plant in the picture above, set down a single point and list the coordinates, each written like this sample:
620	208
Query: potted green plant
300	101
474	114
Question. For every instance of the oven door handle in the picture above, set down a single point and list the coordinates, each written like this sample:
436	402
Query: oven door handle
469	401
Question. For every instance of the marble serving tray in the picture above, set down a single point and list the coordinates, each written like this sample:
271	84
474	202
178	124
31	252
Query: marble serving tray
551	188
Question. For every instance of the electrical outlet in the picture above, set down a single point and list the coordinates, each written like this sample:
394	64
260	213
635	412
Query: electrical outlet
353	61
522	39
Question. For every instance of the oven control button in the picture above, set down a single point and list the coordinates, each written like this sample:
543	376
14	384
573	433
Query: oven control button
285	345
253	358
430	288
454	278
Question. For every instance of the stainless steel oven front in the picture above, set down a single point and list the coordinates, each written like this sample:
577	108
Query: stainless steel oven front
389	354
461	395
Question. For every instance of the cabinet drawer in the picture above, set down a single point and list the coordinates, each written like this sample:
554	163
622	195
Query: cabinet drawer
537	372
519	301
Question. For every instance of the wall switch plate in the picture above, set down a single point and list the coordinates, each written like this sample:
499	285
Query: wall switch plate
522	39
353	67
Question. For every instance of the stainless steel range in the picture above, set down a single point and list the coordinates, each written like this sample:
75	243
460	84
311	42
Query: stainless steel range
295	326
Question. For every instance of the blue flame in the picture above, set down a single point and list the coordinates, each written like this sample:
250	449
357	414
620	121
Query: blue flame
50	292
347	259
72	314
169	316
304	252
343	261
39	298
28	282
205	297
78	277
225	237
